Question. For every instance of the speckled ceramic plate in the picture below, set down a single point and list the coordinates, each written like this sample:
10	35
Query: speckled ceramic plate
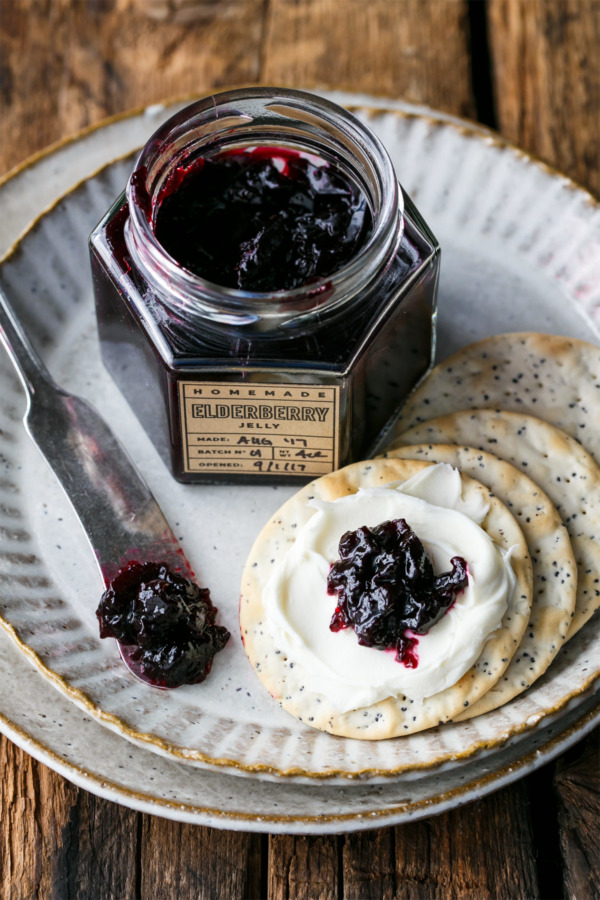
49	727
521	252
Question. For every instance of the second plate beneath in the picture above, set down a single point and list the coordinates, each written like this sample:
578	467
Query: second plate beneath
495	248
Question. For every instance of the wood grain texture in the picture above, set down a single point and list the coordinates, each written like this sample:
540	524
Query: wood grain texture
577	781
484	850
546	60
184	11
59	841
368	865
188	861
389	47
100	57
67	64
303	868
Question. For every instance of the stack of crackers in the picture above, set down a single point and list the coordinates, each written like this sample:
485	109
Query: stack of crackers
519	416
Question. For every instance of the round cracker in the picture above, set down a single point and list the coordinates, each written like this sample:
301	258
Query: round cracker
554	378
559	464
554	568
283	676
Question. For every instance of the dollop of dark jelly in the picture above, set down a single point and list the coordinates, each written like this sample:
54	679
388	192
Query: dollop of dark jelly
387	590
262	219
165	623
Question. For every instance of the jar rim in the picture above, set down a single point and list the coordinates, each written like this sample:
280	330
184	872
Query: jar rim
243	105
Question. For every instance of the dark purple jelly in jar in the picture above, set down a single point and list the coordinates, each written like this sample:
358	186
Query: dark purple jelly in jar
164	623
387	590
262	220
265	291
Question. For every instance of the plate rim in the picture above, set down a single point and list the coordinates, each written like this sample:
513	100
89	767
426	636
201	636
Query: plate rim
162	746
404	107
325	823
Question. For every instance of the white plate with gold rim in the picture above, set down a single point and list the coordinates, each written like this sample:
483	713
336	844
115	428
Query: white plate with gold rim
54	731
520	252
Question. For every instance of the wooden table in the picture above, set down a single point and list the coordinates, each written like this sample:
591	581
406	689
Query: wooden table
530	69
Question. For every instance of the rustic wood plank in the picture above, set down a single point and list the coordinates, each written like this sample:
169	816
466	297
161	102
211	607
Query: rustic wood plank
92	66
57	840
389	47
189	861
412	848
303	868
577	783
547	74
67	64
368	865
483	850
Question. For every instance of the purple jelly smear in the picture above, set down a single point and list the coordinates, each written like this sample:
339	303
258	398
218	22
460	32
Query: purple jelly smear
164	623
387	590
262	219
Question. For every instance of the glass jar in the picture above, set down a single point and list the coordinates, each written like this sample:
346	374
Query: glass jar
233	385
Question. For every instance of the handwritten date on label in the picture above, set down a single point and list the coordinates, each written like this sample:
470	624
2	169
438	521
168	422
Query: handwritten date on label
271	466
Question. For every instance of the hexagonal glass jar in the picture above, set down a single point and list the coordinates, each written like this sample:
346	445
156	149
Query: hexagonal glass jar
265	387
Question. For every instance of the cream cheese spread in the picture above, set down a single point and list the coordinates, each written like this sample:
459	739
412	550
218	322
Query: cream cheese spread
334	664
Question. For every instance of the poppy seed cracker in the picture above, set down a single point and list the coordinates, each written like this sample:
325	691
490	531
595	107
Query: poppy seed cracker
554	378
559	464
282	674
554	567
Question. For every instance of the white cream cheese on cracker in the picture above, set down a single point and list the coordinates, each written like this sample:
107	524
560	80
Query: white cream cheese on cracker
299	608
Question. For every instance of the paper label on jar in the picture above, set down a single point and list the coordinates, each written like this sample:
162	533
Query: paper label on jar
259	429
